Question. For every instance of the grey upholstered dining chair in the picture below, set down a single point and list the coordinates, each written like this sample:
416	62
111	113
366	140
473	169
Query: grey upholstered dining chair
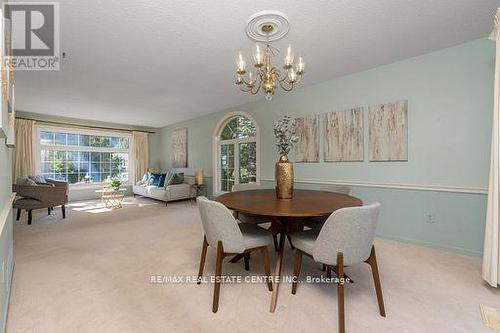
317	222
253	218
345	239
223	232
246	187
344	189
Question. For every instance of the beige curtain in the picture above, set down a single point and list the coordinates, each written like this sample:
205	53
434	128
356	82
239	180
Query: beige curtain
141	154
491	253
23	161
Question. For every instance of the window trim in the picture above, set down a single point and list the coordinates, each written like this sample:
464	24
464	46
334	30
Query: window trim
216	144
76	130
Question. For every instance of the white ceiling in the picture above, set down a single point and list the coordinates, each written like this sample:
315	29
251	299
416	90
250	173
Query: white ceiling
157	62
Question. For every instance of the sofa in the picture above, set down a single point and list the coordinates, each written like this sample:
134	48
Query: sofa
186	190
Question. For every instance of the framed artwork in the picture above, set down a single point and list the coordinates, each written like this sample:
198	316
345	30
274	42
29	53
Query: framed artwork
388	131
7	68
4	76
4	114
343	136
179	152
7	112
307	132
11	136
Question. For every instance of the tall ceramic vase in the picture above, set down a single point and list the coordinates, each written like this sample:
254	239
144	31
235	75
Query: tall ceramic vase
284	178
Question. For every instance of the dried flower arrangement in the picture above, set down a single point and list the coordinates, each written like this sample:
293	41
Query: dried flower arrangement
284	133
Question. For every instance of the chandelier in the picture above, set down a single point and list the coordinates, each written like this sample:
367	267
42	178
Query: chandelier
265	27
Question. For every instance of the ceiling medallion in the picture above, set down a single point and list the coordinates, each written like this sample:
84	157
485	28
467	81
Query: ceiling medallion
266	27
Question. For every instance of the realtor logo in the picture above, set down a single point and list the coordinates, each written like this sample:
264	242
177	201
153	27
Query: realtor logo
31	35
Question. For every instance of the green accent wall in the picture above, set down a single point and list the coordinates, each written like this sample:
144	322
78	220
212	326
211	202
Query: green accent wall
450	98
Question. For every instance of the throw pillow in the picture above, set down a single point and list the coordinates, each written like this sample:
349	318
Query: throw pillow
39	179
161	183
25	181
154	179
168	178
177	179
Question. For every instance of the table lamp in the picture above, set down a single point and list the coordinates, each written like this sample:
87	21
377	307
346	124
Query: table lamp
198	176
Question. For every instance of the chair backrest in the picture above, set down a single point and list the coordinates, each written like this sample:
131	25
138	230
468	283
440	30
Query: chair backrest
344	189
350	231
48	195
245	187
220	225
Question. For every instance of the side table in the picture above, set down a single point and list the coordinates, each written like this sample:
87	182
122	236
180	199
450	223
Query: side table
111	197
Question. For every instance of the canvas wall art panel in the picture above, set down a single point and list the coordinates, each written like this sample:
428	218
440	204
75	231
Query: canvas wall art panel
179	153
388	131
307	132
343	135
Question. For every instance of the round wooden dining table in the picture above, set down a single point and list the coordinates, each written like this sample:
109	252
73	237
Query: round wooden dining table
286	215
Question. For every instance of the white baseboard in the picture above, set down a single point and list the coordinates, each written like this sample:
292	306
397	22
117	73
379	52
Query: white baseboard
449	248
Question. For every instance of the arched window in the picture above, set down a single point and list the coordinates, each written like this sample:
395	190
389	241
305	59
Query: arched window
236	147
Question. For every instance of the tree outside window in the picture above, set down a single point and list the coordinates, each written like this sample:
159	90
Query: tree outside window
84	158
237	158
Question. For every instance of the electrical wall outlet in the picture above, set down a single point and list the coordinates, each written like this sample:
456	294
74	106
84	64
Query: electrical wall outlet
430	218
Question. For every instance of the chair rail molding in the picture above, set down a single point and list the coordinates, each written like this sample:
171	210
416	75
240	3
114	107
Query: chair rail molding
397	186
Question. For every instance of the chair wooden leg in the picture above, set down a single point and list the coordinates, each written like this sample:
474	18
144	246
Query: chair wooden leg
290	241
18	215
296	270
267	266
328	272
334	269
63	209
218	273
340	292
48	210
202	259
323	268
29	216
246	259
372	261
275	241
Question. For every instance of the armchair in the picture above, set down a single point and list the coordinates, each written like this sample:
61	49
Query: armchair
59	183
40	196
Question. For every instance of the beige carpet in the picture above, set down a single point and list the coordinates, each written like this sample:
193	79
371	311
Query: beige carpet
91	273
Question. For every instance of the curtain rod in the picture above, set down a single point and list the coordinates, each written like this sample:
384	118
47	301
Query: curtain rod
85	126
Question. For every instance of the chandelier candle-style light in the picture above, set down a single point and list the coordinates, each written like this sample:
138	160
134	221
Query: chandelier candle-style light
265	27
